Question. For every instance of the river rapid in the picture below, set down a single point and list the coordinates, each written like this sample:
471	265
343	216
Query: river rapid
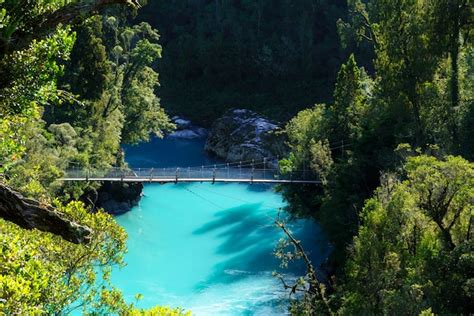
206	247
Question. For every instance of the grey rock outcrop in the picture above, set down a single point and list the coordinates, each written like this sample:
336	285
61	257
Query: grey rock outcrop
114	197
118	198
242	135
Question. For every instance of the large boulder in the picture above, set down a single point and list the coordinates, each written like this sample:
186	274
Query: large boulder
242	135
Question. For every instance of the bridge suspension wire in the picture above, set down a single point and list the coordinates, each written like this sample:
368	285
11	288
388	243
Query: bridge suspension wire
203	198
272	219
249	163
239	199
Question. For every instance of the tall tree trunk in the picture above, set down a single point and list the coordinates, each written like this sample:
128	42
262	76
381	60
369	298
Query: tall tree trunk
446	234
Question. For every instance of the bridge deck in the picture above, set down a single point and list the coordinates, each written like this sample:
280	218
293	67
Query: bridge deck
169	175
188	180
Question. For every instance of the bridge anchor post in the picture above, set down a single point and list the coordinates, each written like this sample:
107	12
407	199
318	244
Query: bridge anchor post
253	170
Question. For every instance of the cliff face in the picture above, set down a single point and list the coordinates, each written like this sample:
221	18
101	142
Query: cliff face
241	135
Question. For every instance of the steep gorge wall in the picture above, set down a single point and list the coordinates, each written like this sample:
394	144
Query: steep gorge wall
272	56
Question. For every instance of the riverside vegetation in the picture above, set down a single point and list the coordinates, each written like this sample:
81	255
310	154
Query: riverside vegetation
68	104
393	150
393	144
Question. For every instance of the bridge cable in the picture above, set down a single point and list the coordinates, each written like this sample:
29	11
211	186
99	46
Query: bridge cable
241	200
203	198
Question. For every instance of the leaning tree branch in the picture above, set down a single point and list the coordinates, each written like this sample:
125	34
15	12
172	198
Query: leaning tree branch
366	23
315	285
30	214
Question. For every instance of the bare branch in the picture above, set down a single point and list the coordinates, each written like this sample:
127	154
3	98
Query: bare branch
315	285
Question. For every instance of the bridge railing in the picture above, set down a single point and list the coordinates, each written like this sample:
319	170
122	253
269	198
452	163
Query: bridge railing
189	173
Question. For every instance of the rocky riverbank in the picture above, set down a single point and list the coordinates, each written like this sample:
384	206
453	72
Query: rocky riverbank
115	197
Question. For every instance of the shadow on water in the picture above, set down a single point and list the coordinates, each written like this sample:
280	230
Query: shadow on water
248	234
221	257
240	229
260	187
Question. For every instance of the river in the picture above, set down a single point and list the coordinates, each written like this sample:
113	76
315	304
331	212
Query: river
206	247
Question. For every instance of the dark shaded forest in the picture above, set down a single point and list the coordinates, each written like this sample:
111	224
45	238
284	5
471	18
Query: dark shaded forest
276	57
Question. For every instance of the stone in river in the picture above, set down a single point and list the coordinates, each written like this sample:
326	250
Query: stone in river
185	129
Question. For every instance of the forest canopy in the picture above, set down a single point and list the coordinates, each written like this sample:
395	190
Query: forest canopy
392	150
75	83
273	56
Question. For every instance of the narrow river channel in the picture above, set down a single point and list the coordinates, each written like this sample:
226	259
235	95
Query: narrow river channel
207	248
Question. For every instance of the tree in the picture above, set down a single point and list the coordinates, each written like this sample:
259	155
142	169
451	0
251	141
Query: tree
56	274
221	54
60	257
122	86
331	140
414	242
408	99
455	19
25	21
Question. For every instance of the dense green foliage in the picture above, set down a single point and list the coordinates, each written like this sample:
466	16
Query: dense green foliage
412	250
74	105
32	261
413	253
120	85
274	56
70	95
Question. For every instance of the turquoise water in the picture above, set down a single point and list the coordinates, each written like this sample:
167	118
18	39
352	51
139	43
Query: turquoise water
207	248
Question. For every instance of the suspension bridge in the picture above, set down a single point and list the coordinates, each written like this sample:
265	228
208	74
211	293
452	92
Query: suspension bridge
241	172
